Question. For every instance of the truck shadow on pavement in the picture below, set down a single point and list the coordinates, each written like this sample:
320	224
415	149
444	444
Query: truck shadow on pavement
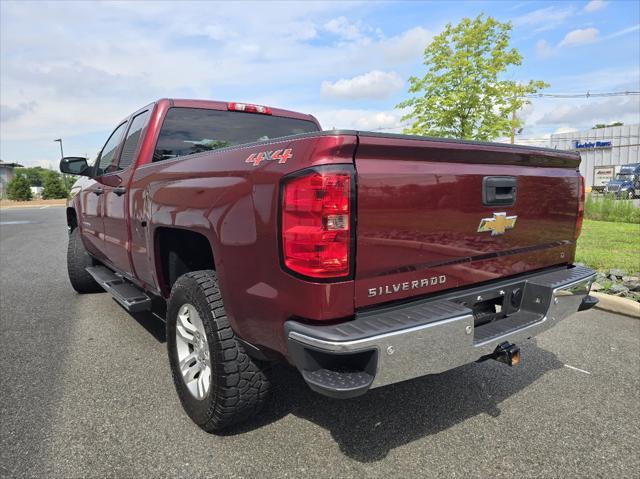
367	428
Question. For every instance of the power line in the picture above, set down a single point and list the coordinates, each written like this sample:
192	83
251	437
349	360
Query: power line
588	94
576	138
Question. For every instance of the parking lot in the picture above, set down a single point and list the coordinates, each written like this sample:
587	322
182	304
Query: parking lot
86	392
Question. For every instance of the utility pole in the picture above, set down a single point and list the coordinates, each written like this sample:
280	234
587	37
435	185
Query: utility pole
59	140
64	177
513	126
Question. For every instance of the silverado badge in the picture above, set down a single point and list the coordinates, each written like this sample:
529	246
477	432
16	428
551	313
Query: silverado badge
498	224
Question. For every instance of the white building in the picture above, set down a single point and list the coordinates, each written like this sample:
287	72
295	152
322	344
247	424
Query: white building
603	151
6	175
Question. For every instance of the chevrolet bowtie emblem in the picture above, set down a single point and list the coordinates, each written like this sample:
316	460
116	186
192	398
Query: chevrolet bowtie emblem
498	224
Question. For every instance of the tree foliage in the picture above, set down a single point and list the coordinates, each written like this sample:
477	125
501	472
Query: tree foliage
18	188
462	95
53	187
604	125
35	175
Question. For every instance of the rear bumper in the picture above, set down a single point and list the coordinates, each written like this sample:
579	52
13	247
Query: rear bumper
397	343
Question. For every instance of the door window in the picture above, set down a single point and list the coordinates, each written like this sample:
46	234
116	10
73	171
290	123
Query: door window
106	157
130	147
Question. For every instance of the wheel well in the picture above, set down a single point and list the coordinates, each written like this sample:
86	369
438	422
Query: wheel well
72	219
178	252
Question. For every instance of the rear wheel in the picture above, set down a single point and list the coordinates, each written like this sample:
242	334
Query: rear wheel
78	260
217	382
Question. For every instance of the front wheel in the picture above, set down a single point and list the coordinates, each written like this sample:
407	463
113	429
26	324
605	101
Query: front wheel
78	260
217	382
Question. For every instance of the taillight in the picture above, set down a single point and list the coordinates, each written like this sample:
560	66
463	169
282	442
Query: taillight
249	108
316	223
580	209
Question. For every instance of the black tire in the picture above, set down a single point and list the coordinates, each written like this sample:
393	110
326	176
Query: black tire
238	385
77	261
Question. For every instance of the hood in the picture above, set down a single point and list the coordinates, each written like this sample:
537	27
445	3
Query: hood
619	183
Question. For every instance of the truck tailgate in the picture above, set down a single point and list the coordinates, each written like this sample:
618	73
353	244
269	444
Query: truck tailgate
421	203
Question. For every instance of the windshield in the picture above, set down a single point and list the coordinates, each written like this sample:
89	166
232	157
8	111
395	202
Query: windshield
193	130
625	175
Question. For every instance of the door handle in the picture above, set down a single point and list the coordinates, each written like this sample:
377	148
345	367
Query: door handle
120	191
98	191
499	190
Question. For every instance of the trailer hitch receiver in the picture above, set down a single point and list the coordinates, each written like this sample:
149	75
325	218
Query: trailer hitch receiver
507	353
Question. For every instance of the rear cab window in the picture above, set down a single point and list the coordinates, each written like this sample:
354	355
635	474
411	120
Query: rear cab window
186	131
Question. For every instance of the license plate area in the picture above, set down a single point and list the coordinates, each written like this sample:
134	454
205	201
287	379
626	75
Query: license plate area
494	304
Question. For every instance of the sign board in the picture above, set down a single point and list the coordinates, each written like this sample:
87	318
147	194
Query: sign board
592	144
603	174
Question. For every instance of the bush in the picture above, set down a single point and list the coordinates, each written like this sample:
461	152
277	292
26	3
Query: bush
35	175
19	188
53	187
607	208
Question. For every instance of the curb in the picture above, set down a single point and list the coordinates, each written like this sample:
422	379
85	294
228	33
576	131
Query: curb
615	304
29	206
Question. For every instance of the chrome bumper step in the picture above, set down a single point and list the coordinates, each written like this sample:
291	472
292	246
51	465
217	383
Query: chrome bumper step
429	336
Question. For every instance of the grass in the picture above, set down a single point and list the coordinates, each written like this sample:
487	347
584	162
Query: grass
607	208
604	244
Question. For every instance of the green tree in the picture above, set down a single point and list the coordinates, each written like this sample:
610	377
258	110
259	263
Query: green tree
462	95
604	125
35	175
53	187
18	188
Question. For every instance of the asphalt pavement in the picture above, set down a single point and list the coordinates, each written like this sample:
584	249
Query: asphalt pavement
86	391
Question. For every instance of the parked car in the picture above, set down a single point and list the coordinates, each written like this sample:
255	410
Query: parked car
626	184
362	259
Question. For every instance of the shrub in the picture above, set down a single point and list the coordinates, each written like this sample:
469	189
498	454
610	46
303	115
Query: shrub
53	187
607	208
19	188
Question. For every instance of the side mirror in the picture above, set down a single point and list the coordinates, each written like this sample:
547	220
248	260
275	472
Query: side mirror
75	165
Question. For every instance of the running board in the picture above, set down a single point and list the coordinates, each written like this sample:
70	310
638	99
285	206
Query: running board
129	296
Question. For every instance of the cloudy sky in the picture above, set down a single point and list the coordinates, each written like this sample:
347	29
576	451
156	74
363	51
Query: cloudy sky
74	69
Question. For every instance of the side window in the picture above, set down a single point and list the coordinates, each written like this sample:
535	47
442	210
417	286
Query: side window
130	147
106	157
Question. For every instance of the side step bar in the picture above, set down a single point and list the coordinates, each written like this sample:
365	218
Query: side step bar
129	296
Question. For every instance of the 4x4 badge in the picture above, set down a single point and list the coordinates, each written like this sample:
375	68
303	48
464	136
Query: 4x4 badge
281	156
498	224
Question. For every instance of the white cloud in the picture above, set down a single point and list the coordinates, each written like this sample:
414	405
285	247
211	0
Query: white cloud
626	109
359	119
565	129
343	28
374	85
595	5
8	113
544	18
407	46
543	49
580	36
624	31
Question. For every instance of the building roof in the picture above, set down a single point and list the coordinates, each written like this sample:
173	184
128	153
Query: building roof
10	165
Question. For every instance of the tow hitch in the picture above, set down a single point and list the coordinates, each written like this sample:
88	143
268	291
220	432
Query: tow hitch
505	353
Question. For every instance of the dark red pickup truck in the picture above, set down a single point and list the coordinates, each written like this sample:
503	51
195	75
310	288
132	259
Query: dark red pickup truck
363	259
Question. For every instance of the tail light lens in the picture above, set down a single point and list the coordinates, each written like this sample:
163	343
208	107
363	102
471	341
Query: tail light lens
316	224
580	209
